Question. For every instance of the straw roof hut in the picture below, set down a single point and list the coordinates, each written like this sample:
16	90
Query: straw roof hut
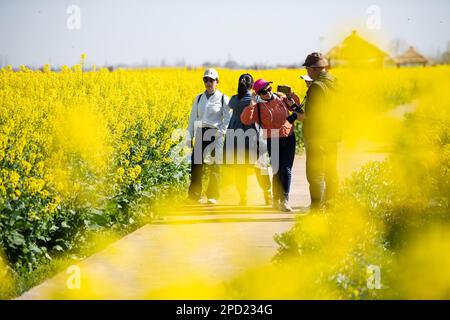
411	58
355	51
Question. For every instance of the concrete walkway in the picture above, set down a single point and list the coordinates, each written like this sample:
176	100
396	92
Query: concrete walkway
188	253
200	243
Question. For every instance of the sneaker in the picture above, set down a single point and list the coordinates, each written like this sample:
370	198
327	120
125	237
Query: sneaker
212	201
284	206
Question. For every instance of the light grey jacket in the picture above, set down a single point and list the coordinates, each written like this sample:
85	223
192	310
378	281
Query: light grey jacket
209	113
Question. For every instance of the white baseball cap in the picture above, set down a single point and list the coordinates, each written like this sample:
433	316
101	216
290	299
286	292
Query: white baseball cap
307	78
211	73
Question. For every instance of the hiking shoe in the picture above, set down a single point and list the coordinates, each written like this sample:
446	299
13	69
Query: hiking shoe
212	201
285	207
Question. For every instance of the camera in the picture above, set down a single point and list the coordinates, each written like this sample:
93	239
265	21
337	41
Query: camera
299	109
287	90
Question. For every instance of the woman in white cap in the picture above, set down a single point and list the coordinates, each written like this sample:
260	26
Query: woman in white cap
208	123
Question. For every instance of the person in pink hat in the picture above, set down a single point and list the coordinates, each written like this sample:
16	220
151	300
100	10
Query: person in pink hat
271	112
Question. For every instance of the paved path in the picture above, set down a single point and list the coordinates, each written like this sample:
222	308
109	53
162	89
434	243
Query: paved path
189	252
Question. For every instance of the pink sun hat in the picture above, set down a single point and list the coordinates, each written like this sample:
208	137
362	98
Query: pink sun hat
260	84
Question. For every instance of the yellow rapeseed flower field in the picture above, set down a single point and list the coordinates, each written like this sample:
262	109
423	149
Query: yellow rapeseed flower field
79	149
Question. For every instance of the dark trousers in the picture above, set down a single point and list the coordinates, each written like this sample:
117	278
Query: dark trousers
241	179
197	166
321	171
284	160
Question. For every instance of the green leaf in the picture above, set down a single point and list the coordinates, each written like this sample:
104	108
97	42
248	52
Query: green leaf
58	248
35	248
17	239
99	219
64	224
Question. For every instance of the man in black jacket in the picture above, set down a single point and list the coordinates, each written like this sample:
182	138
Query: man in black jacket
321	132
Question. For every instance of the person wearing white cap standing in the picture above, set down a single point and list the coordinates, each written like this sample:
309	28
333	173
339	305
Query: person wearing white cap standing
208	123
321	132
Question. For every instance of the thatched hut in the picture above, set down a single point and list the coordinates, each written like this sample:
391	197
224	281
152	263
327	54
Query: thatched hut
411	58
355	51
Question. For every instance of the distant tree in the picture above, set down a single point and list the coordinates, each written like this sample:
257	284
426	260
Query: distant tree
230	64
208	64
445	58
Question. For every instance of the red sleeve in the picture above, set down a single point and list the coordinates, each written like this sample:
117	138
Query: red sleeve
296	99
249	114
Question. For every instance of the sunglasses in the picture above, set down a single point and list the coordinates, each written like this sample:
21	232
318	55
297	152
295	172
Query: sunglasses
265	91
206	80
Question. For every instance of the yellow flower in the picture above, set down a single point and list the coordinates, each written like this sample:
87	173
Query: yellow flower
39	167
134	172
14	179
34	185
32	216
44	194
56	200
26	166
120	171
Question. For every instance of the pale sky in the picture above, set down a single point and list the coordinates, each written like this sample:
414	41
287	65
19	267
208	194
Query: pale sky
35	32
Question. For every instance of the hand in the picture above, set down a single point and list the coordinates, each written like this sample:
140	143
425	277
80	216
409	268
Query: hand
300	116
290	102
293	96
